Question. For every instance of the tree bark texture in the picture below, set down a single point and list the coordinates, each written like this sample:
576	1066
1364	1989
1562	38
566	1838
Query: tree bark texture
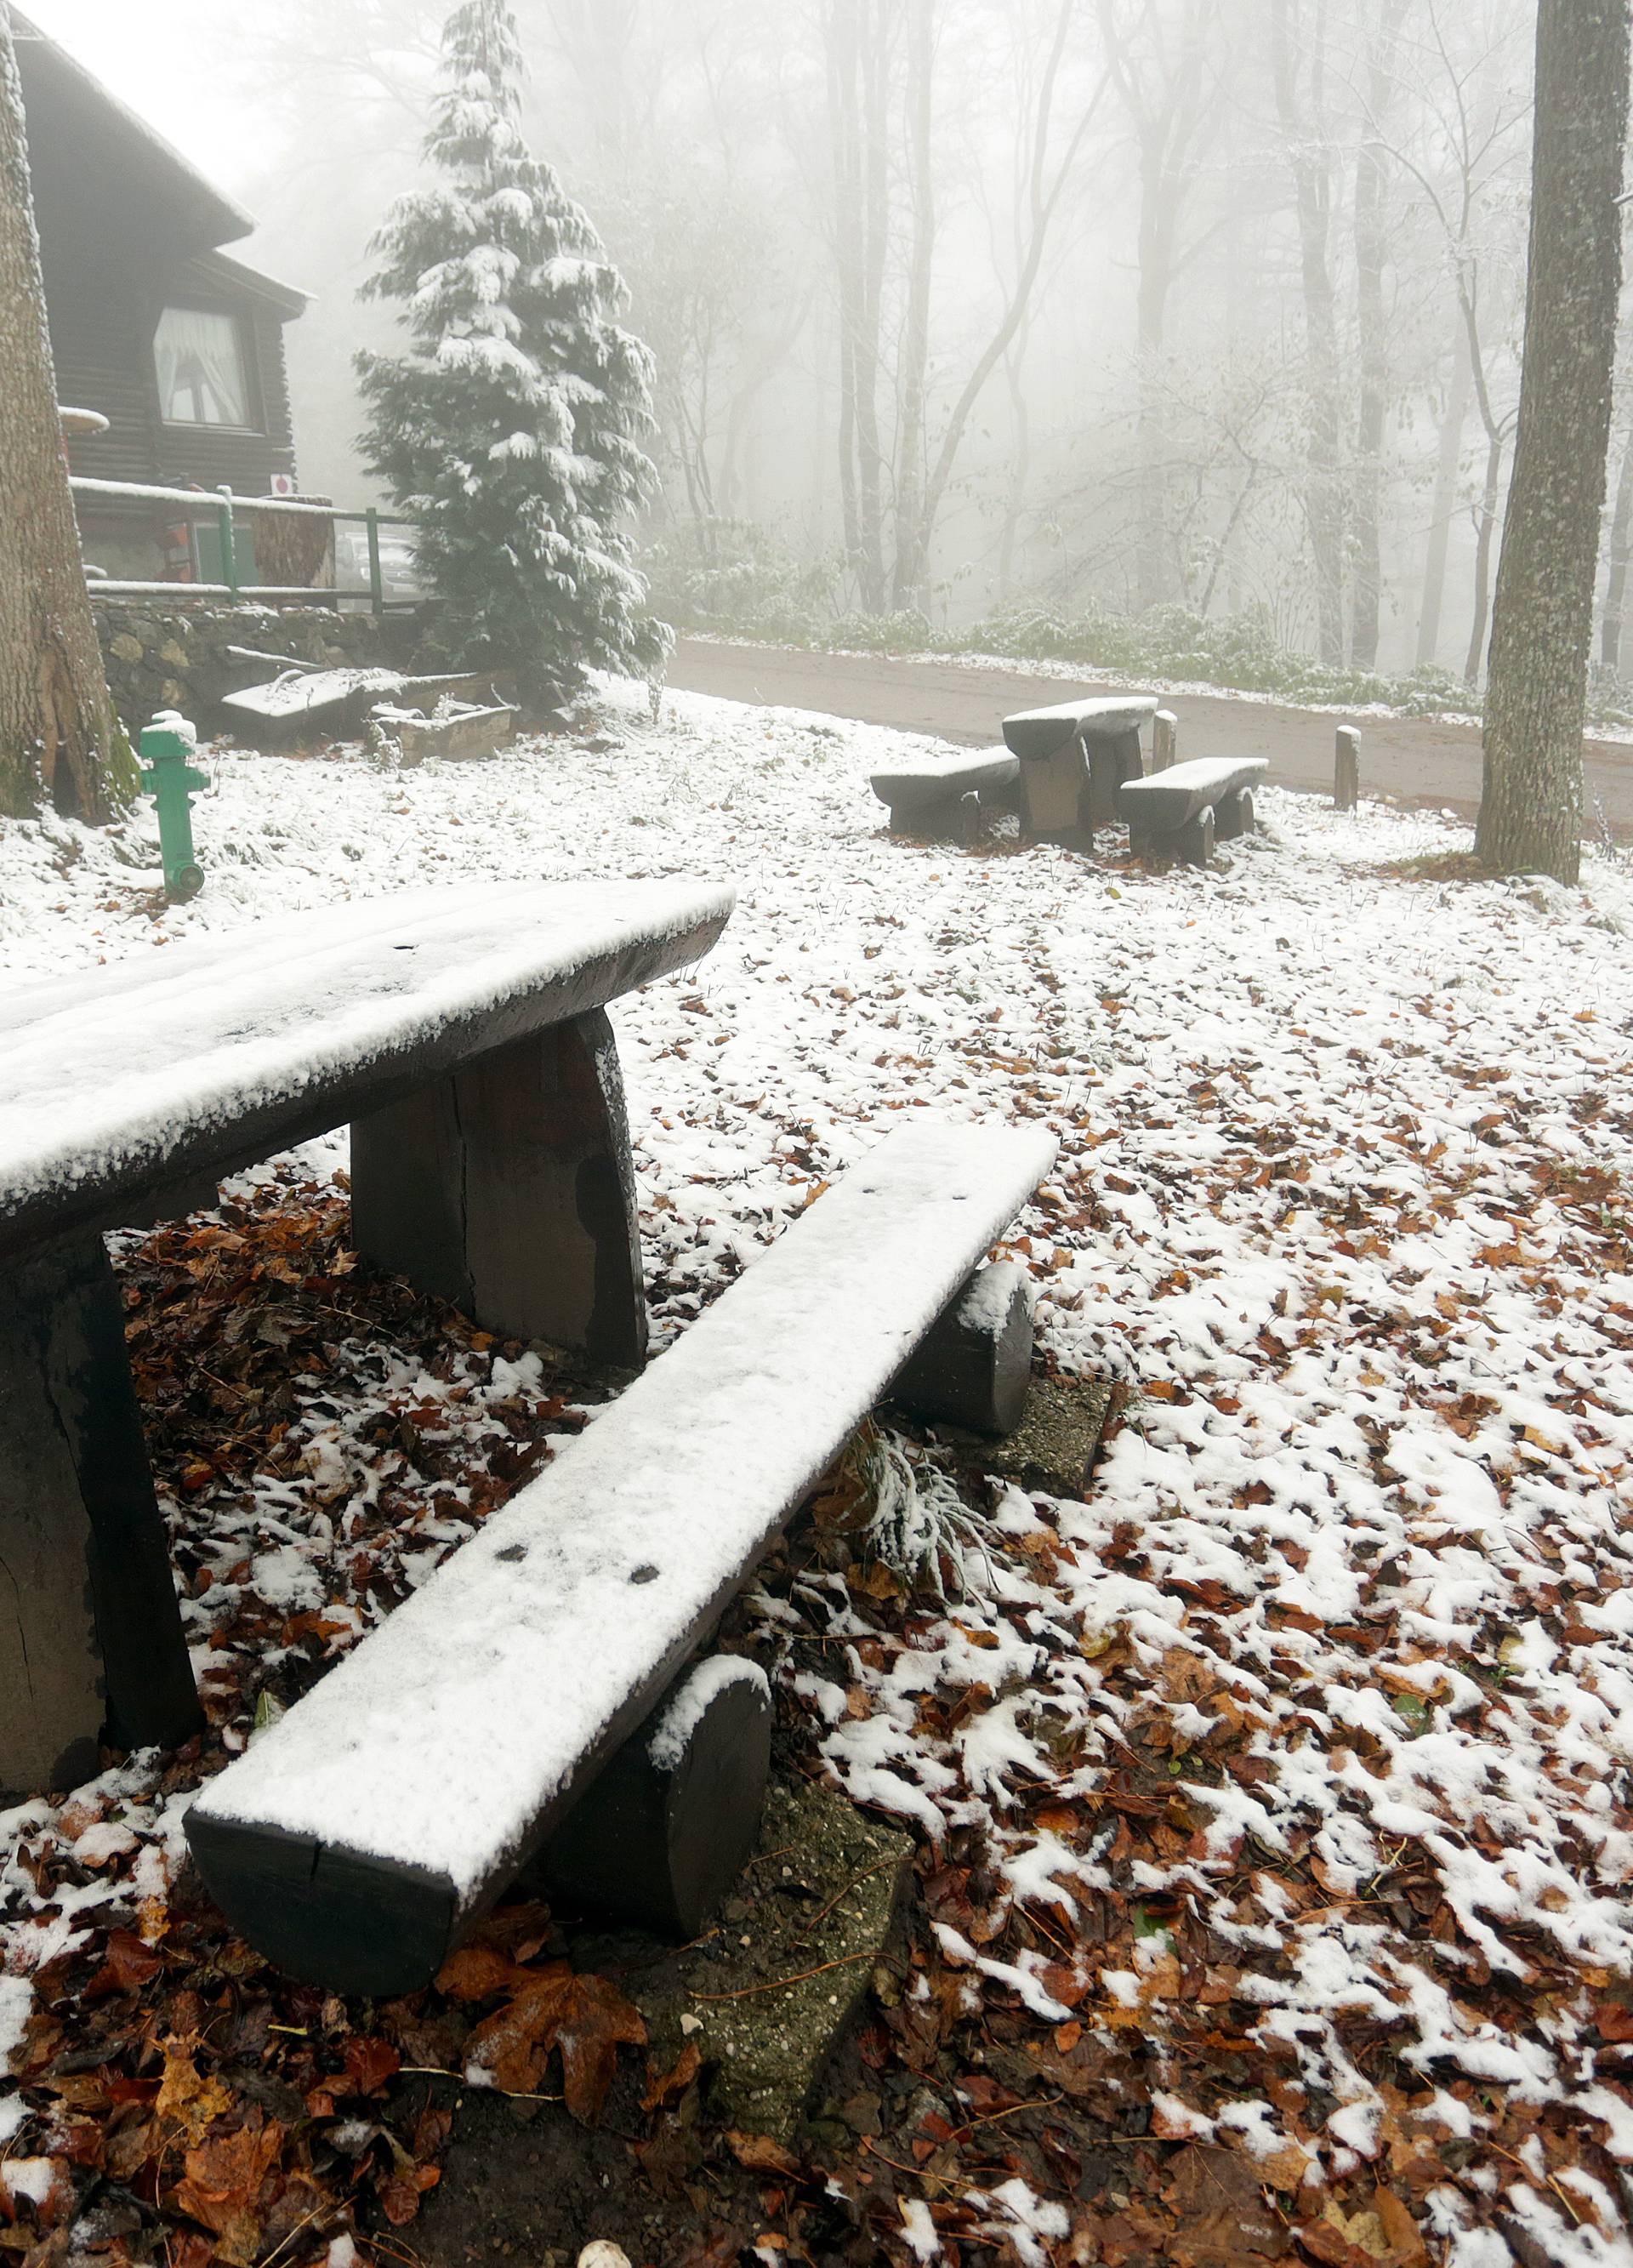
1542	625
58	737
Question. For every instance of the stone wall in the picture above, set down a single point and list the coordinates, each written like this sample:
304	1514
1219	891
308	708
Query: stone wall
162	656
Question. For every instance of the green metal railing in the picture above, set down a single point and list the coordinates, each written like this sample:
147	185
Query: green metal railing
222	508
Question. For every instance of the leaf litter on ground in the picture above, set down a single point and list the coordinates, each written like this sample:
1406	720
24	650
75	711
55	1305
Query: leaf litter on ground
1272	1806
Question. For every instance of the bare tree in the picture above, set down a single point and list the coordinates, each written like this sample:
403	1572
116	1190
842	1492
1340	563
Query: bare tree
1531	809
1298	66
1372	256
1160	56
59	740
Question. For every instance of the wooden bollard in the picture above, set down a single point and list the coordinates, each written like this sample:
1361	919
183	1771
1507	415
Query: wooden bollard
1347	769
1164	740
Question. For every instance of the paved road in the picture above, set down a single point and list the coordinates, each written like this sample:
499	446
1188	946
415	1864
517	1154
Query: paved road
1410	761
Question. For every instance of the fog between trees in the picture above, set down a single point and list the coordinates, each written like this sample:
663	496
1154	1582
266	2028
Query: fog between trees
959	304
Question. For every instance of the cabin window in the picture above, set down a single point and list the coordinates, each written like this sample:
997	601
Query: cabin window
203	378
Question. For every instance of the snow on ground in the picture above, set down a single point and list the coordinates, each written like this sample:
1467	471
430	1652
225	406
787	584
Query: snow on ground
1342	1194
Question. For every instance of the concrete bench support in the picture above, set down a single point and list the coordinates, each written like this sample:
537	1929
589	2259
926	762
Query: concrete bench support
90	1631
508	1190
1074	759
974	1366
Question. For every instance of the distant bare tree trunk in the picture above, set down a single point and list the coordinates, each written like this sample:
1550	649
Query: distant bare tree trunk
1371	252
912	561
858	56
1616	584
1444	505
1303	131
1530	808
58	737
1485	545
1164	85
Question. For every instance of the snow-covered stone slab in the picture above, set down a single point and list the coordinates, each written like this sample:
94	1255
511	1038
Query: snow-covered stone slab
1180	812
1038	733
359	1836
926	792
195	1061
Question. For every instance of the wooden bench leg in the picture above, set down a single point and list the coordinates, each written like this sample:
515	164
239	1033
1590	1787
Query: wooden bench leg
509	1190
974	1366
91	1637
661	1835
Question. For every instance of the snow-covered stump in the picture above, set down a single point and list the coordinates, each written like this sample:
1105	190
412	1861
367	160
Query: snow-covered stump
1347	769
973	1368
360	1836
1164	740
665	1831
91	1639
508	1190
1074	757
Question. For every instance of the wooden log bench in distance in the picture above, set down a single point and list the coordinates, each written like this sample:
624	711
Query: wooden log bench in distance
932	795
357	1839
462	1034
1183	812
1073	758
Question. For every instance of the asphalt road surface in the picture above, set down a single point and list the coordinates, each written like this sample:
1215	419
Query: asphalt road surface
1406	760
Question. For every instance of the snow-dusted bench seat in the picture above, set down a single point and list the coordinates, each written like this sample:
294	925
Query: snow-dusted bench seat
1073	757
463	1035
357	1840
1182	812
945	795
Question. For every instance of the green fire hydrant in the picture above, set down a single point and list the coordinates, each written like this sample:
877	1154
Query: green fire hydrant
171	779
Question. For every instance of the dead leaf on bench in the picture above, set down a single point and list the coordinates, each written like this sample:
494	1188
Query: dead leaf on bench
586	2017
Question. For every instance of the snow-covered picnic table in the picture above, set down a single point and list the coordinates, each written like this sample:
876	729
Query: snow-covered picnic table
462	1034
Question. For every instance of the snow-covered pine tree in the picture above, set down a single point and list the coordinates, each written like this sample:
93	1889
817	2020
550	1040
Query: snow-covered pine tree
512	430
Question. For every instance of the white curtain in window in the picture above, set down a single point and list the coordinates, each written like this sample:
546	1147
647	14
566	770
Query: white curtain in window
200	369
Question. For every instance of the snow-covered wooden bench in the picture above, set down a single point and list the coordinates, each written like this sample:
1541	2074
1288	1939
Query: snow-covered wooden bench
463	1035
356	1839
946	795
1183	812
1074	757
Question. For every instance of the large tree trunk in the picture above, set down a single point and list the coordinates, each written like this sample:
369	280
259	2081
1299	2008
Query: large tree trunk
1371	250
58	737
1304	132
1542	629
1446	471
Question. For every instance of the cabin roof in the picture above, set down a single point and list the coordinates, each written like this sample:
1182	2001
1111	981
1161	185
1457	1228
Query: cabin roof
49	71
285	300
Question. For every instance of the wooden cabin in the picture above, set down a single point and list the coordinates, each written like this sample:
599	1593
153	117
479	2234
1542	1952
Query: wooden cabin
177	344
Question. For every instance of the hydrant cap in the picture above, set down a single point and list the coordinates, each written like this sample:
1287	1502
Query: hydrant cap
169	735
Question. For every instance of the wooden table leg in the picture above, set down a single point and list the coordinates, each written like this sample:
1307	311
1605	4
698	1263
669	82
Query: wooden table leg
91	1637
509	1190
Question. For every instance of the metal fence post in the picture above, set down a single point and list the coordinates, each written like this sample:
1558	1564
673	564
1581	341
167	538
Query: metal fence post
229	543
377	578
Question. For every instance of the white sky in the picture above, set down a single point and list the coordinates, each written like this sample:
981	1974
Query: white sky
147	52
